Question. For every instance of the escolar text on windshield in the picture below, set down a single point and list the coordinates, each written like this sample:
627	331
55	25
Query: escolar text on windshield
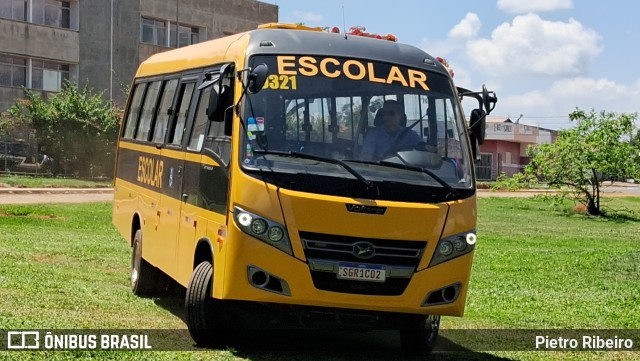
352	69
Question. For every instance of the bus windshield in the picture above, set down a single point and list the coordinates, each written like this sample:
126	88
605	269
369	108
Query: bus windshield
333	110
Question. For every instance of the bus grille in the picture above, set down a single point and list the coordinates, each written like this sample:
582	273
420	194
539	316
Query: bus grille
325	251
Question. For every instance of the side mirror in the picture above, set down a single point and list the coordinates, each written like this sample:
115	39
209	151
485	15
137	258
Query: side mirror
257	78
489	100
218	102
219	92
213	104
478	124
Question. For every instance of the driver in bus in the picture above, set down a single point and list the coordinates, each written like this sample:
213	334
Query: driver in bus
392	136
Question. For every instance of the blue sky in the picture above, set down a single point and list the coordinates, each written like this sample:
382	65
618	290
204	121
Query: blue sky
543	58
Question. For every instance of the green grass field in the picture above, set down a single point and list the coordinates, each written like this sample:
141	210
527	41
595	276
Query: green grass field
536	267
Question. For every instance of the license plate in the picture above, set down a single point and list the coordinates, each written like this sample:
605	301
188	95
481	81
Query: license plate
361	272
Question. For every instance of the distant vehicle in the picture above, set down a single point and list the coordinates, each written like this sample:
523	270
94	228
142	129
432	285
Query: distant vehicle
22	157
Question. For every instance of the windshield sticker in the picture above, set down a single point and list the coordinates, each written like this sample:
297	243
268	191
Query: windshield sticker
249	154
251	126
260	123
291	66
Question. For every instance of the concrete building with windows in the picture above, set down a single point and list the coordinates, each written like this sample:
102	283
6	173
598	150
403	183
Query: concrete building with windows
99	43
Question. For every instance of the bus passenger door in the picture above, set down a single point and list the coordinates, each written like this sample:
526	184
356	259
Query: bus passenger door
204	187
174	157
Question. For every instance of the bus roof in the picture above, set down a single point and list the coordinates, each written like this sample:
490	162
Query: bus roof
288	40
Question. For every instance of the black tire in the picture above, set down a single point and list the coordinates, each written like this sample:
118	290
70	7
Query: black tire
144	277
421	335
202	321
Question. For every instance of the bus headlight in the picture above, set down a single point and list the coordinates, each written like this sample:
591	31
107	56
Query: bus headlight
275	234
262	228
258	226
459	244
244	219
453	246
445	248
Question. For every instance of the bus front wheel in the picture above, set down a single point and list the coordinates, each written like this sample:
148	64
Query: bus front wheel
421	335
203	320
144	276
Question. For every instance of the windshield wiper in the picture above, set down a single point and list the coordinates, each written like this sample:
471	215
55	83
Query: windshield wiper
344	165
404	165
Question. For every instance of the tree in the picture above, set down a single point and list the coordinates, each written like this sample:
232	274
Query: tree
14	128
75	127
635	140
598	148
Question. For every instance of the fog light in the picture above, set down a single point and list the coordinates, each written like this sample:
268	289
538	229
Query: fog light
275	234
244	219
258	226
446	248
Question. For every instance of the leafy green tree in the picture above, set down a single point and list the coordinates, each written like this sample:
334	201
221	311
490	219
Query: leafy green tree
581	158
14	128
635	140
75	127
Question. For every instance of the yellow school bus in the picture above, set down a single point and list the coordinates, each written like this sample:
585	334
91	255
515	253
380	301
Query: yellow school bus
241	175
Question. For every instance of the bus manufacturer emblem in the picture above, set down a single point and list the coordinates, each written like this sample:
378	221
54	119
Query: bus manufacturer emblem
364	250
361	208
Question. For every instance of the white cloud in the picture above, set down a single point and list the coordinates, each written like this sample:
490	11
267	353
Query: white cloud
533	46
307	17
522	6
467	27
440	47
550	107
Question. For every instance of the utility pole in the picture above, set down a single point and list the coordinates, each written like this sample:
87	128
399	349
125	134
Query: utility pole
177	23
111	56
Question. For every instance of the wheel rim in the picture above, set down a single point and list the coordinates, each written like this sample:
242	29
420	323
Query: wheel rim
432	326
135	265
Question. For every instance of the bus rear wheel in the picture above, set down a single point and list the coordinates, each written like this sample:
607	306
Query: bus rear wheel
144	277
203	321
421	335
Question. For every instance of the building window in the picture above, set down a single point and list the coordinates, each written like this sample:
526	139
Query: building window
51	12
187	35
55	13
14	9
153	31
48	76
13	71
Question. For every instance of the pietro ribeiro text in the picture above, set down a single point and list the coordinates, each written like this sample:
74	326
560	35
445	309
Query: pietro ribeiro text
587	342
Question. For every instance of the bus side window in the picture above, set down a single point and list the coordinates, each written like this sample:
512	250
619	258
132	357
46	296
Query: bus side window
164	111
148	111
218	138
200	123
218	142
177	131
134	110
